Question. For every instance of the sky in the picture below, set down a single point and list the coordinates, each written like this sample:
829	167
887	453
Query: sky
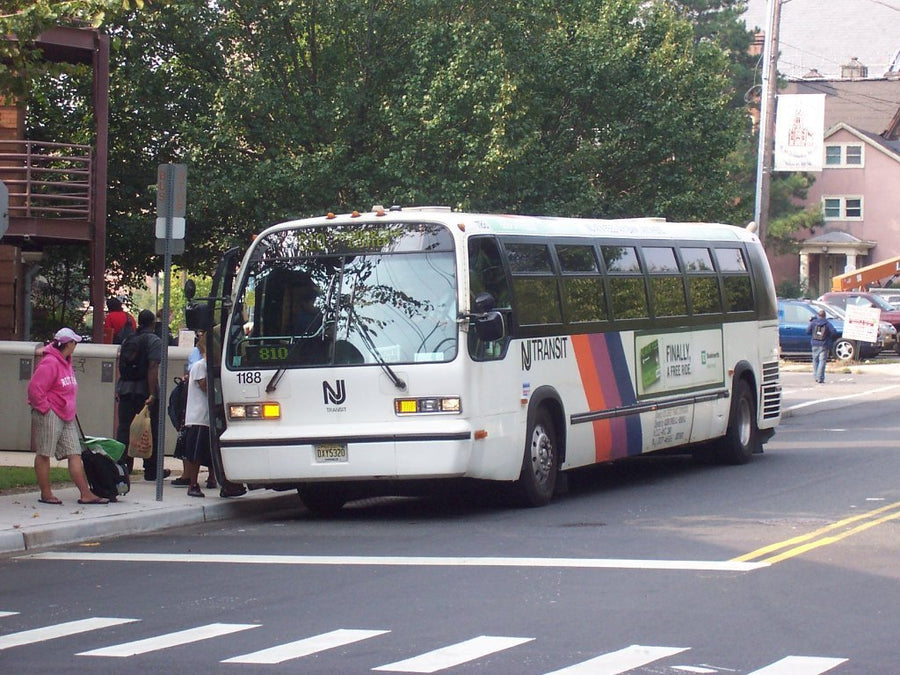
826	34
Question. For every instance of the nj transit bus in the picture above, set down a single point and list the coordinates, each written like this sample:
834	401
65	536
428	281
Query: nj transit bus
401	345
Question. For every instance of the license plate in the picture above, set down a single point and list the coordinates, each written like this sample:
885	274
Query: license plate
331	452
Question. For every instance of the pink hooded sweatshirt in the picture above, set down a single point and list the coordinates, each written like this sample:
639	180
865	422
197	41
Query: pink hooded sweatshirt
53	385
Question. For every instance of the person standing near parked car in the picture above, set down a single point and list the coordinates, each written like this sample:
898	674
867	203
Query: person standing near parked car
823	334
52	394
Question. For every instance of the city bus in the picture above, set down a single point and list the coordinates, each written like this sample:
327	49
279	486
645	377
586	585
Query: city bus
403	345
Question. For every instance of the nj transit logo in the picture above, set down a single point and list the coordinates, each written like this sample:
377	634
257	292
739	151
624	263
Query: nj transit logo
334	395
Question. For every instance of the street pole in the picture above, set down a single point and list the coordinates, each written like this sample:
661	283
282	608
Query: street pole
766	149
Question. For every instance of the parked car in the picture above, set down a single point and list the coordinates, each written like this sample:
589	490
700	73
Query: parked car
865	299
887	334
794	317
892	295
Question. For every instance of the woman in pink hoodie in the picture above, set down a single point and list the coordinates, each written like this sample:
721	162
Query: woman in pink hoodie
52	394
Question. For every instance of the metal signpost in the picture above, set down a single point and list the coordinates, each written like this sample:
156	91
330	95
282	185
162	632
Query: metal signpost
4	209
171	203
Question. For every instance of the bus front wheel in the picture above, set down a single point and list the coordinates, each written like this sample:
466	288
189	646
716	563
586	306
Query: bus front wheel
322	498
540	464
741	439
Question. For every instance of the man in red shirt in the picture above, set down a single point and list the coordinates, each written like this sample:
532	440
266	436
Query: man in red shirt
116	318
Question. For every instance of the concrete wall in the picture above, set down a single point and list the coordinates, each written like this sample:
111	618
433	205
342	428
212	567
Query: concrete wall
96	369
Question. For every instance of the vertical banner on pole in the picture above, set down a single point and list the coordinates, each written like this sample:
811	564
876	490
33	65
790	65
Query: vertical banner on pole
799	132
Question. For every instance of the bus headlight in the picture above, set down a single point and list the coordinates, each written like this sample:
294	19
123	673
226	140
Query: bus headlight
427	404
254	411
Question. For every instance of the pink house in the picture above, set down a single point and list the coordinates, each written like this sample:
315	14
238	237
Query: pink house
858	189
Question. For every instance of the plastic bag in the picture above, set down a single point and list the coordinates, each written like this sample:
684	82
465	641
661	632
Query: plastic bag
140	438
113	448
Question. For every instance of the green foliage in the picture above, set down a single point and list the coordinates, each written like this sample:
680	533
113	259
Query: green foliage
280	110
60	292
790	288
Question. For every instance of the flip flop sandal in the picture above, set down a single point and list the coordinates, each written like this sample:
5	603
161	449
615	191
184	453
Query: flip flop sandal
99	500
55	501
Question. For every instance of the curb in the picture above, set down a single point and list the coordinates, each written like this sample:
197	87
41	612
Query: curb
148	520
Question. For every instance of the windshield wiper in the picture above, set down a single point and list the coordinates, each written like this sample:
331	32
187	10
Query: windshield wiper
373	350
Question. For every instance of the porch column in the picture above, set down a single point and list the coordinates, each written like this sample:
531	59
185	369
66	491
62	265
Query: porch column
804	272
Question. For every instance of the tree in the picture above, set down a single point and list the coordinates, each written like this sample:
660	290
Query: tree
288	109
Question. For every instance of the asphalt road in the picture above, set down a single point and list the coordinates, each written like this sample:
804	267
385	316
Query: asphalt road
784	566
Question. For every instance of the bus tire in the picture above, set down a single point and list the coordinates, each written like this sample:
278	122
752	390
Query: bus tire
540	462
322	499
741	439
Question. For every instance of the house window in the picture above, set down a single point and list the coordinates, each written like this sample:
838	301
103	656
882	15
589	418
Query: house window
844	155
843	208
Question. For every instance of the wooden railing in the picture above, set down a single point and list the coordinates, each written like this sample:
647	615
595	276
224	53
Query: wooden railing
47	180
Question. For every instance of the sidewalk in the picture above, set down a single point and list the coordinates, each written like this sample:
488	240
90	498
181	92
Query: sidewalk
25	523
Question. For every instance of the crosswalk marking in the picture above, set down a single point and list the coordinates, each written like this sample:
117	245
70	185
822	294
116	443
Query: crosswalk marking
620	661
307	646
59	630
170	640
454	655
611	663
800	665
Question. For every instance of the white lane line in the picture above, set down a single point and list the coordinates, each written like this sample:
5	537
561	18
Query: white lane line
59	630
800	665
409	561
842	398
2	614
620	661
454	655
307	646
181	637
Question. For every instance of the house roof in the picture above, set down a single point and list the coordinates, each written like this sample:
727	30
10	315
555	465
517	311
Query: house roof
888	147
868	105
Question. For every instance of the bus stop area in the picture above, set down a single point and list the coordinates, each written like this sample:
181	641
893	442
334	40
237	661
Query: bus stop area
27	524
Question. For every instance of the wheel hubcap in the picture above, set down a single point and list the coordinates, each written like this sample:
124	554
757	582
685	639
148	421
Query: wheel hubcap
744	428
541	455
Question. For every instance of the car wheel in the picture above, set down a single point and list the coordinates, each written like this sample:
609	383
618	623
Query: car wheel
845	350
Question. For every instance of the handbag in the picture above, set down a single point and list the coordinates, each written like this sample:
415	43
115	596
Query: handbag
140	438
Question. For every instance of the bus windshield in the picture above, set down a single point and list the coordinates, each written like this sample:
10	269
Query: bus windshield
369	293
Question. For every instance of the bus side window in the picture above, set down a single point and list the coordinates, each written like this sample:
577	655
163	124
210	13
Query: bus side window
736	279
628	296
487	275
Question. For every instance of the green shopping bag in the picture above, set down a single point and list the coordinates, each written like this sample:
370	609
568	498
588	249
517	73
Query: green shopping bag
110	446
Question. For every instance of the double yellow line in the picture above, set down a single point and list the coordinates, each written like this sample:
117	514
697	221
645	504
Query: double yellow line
824	536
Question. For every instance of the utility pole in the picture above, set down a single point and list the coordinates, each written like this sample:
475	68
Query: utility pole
766	148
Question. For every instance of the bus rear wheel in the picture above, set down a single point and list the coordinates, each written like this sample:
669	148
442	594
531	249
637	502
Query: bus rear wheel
322	498
741	439
540	464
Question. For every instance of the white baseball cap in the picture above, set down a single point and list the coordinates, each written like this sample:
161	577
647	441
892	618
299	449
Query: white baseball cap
64	335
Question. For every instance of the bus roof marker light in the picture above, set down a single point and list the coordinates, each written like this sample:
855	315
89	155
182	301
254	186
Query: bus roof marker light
330	216
355	214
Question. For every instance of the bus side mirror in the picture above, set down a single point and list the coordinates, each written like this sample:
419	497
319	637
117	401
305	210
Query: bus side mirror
490	327
197	318
484	302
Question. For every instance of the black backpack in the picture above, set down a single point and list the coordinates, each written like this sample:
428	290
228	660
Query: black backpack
106	477
178	403
126	330
133	361
820	332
